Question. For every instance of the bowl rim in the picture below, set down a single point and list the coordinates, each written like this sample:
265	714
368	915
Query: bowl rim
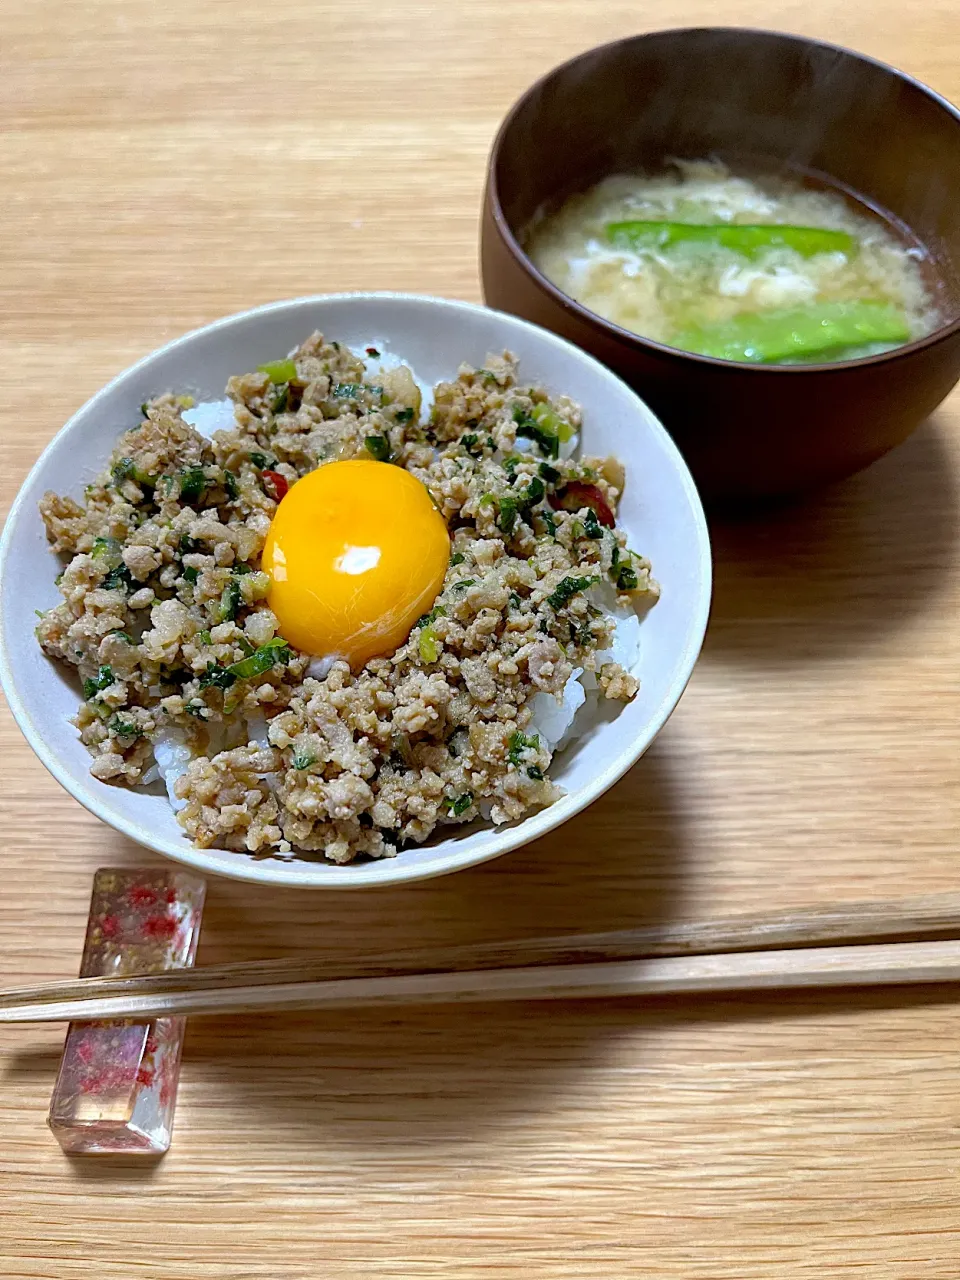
499	841
622	335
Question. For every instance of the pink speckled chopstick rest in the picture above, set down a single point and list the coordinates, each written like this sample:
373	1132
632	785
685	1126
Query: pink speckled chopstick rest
117	1087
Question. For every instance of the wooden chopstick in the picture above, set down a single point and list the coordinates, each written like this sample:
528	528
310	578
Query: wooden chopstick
262	984
880	964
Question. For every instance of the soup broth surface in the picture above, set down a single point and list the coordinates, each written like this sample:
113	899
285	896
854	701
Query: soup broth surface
626	250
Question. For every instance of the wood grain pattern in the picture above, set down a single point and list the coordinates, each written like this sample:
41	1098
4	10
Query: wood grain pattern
933	917
164	164
882	965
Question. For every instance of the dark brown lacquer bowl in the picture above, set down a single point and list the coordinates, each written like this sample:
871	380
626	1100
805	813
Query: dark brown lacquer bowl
761	102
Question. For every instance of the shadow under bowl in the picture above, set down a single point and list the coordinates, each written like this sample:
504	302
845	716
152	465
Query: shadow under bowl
765	103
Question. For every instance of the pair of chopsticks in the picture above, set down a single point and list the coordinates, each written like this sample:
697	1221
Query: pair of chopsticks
858	944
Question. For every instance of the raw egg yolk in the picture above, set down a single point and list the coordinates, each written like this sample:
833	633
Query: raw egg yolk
356	552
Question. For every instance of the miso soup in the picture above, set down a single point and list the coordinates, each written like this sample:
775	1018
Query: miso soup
737	268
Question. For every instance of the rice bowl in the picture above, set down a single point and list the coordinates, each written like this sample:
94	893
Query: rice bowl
416	327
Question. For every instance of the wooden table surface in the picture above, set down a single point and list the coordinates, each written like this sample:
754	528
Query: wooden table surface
163	164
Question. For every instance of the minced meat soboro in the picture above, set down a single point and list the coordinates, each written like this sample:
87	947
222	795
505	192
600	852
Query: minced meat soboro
265	749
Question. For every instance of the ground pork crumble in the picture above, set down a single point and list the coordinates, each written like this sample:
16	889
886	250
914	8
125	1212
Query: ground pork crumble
165	613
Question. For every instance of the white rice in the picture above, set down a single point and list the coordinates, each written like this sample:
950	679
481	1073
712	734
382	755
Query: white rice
559	721
389	360
172	756
211	416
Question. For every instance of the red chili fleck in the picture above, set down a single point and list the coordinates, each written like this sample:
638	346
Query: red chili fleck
158	927
276	485
578	495
145	1076
170	897
152	1041
109	926
141	895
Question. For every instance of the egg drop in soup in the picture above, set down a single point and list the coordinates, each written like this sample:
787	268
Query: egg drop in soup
356	553
723	266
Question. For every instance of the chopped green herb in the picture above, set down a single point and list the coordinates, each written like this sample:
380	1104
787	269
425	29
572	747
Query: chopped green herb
378	447
104	680
275	652
260	460
303	760
581	635
204	637
192	484
507	515
532	495
231	485
550	474
535	773
527	426
123	470
457	558
510	464
491	443
488	375
124	728
373	353
549	519
460	805
144	407
196	707
514	601
566	588
231	599
118	579
544	427
127	469
120	634
279	371
518	743
403	415
245	645
627	578
591	525
464	583
346	390
187	545
190	575
426	618
470	442
281	398
217	676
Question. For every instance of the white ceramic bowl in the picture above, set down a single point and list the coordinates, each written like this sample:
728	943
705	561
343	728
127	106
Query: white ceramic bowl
660	511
